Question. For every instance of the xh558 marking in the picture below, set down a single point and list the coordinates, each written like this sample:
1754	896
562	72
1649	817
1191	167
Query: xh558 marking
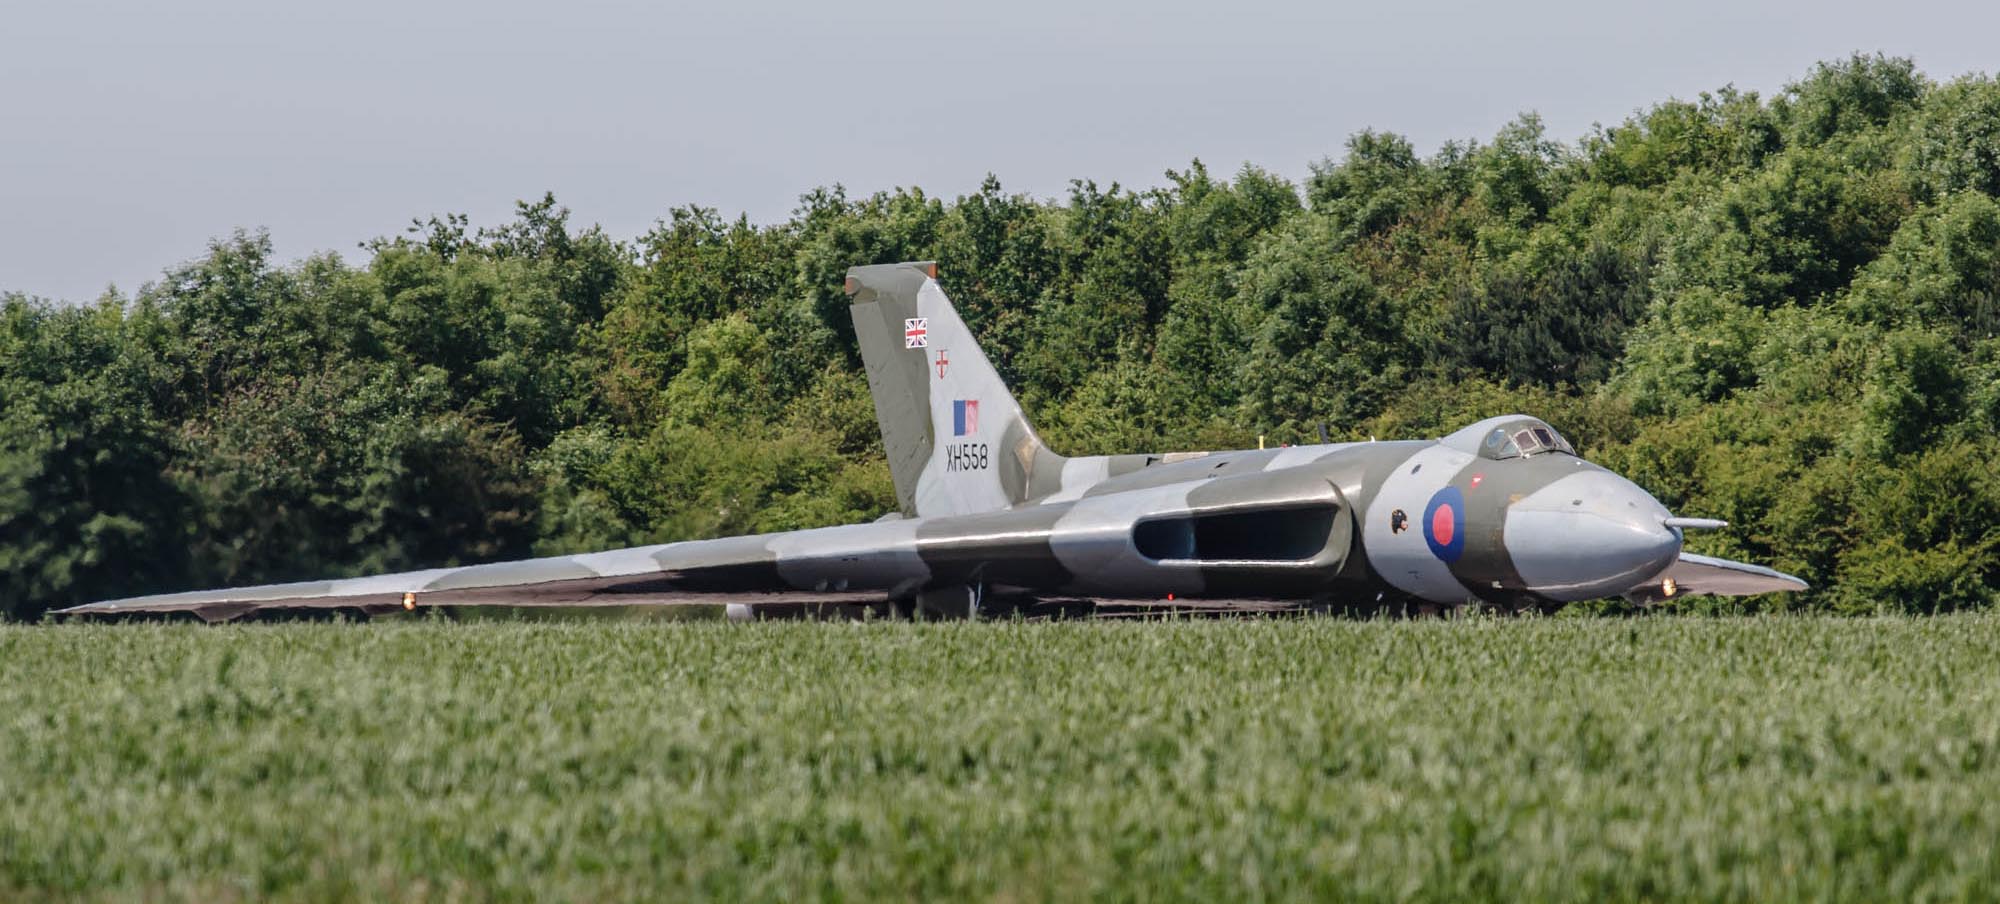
1502	511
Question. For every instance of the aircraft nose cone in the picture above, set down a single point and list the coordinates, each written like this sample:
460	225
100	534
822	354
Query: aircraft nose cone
1592	534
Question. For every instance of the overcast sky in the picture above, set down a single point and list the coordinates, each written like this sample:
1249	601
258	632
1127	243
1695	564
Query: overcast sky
133	132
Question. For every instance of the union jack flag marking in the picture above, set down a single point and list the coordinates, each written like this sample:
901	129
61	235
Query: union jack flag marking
916	332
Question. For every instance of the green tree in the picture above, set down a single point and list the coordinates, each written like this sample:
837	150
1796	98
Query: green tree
1957	145
85	512
1941	269
1846	97
1330	346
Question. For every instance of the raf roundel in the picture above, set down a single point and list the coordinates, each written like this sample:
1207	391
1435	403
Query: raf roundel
1444	524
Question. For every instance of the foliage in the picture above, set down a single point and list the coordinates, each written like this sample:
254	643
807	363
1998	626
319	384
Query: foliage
1783	311
1766	759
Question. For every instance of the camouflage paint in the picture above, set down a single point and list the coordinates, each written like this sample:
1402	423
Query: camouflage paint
1325	518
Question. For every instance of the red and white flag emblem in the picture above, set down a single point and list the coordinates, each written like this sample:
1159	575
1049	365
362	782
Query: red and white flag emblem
916	332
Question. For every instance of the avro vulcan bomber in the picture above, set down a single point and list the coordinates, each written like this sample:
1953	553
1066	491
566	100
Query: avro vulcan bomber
1502	512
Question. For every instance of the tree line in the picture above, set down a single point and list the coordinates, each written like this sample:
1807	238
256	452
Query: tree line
1781	312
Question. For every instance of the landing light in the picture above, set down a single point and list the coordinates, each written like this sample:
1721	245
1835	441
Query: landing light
409	602
1668	588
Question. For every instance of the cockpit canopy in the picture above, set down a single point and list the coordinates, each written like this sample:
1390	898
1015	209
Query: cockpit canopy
1509	436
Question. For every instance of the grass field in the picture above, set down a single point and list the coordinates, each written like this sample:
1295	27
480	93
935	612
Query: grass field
1533	759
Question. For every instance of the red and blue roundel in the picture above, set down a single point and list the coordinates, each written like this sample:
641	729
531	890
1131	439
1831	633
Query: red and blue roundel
1444	524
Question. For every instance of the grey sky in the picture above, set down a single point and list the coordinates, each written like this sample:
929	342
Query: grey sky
132	132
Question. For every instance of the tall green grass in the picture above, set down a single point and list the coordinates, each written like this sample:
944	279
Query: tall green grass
1550	760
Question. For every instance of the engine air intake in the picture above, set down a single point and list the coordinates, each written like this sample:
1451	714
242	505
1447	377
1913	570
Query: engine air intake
1294	534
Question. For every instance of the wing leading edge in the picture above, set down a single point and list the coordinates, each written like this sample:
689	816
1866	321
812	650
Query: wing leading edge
854	563
704	571
1696	575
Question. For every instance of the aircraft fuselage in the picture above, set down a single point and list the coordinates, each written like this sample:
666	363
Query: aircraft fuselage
1355	522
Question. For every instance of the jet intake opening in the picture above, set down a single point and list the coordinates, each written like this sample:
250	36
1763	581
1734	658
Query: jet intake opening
1294	534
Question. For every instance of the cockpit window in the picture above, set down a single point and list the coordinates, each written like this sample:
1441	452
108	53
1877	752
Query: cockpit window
1508	436
1498	446
1537	440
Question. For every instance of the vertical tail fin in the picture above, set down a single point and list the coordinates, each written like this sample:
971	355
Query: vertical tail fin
957	441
